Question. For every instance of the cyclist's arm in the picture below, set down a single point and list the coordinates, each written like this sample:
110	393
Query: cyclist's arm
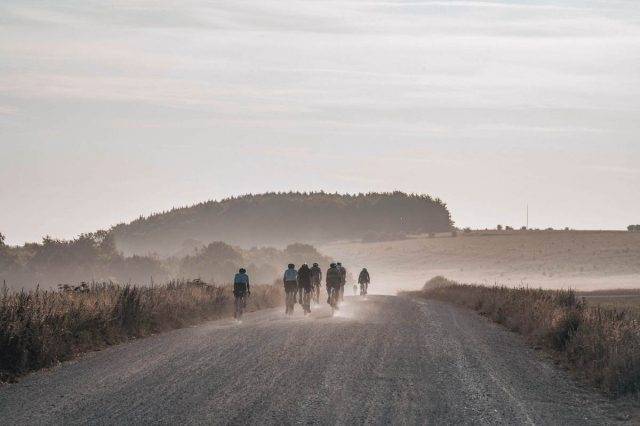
248	287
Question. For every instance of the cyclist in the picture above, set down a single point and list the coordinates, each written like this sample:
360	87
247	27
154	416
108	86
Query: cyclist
316	280
290	280
304	288
241	289
363	280
343	279
334	280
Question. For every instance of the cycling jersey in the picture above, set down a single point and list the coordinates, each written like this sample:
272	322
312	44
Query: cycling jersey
240	284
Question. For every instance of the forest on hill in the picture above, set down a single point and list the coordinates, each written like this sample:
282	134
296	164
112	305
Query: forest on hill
279	219
94	257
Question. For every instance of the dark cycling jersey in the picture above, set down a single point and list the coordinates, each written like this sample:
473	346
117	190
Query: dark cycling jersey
240	284
334	278
364	277
316	275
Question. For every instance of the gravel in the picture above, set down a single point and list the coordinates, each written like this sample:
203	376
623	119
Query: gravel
382	360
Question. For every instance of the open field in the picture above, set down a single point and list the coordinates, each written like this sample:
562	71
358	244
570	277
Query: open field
584	260
614	298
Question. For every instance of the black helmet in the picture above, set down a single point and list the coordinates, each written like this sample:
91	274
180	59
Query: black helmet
291	266
315	264
339	263
333	265
242	271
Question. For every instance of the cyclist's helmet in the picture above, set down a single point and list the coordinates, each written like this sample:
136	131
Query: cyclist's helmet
242	271
291	266
333	265
315	264
339	263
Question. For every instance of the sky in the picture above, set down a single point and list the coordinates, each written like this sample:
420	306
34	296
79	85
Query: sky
112	110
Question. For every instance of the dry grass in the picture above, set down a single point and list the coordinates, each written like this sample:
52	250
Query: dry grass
41	328
601	344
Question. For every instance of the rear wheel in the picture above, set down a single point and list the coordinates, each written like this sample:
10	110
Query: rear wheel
239	307
333	300
306	301
316	293
290	302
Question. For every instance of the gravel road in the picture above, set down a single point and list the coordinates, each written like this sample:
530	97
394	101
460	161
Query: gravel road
383	360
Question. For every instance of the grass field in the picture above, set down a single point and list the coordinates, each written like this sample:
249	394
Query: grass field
584	260
614	298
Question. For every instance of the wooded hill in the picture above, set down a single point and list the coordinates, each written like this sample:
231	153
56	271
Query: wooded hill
282	218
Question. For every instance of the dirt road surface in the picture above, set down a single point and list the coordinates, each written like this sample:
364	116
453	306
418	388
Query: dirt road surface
383	360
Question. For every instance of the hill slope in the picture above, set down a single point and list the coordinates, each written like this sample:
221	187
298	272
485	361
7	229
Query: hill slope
282	218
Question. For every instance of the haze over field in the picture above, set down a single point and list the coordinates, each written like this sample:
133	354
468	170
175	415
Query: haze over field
111	110
583	260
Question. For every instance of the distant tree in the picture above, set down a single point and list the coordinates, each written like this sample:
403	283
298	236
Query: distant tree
508	228
499	227
566	228
633	228
2	239
467	230
524	228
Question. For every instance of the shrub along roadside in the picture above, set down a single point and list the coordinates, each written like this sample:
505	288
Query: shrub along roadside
601	344
41	328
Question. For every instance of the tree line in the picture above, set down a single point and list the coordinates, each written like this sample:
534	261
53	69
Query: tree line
94	257
278	218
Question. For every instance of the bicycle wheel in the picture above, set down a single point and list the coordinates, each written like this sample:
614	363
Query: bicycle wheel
333	296
291	301
237	314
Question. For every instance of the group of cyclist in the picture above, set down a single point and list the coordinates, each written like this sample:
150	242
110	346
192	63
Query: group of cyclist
303	285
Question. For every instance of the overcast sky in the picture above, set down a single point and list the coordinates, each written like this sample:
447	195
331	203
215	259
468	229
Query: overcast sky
109	110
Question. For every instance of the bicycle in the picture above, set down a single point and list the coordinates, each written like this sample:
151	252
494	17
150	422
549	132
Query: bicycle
240	306
290	302
316	293
306	301
333	299
363	289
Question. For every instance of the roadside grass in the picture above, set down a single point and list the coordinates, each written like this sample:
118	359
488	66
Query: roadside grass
601	343
40	328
